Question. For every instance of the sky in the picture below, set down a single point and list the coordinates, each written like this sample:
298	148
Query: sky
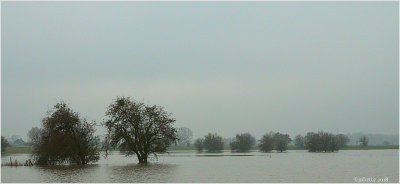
224	67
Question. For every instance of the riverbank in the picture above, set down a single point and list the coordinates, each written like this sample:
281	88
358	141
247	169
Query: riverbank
28	149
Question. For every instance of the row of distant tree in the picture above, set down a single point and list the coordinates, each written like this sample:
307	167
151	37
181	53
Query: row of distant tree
243	142
270	141
185	136
314	142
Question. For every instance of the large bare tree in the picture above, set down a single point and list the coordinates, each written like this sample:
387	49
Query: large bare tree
137	128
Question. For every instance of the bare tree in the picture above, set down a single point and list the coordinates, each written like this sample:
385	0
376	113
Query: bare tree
14	138
136	128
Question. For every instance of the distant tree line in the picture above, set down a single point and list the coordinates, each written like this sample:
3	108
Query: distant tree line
243	142
314	142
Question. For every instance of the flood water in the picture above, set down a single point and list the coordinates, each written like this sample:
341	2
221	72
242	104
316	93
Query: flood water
293	166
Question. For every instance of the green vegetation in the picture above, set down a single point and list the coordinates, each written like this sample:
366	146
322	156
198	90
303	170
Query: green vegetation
213	142
198	144
274	141
321	142
267	142
19	149
243	142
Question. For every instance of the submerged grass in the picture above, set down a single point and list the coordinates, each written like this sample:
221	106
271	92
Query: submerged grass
15	163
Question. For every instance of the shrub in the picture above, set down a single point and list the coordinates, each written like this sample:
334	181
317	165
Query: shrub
213	143
65	138
242	142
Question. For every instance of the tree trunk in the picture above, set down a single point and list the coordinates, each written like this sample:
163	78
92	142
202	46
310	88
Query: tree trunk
83	159
142	159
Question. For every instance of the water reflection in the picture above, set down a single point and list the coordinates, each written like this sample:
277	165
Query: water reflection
67	174
141	173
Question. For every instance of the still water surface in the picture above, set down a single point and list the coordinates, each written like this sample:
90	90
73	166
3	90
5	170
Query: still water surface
293	166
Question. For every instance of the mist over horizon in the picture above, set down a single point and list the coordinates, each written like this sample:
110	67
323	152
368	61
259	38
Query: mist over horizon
221	67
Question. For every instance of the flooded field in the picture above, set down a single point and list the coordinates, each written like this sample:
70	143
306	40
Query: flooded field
293	166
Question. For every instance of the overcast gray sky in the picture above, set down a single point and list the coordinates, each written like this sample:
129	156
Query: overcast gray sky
225	67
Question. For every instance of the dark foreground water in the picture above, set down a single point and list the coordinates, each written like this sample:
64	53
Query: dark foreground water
293	166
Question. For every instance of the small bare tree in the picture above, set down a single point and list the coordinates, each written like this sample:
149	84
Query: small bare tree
34	135
184	136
